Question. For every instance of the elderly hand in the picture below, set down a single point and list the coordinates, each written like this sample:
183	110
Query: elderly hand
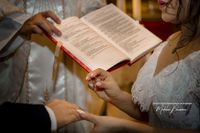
64	111
39	24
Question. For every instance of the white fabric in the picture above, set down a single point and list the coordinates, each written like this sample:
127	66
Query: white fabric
37	75
11	69
69	84
53	119
6	8
10	24
177	83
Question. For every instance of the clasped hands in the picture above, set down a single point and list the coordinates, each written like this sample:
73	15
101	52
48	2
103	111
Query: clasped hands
106	88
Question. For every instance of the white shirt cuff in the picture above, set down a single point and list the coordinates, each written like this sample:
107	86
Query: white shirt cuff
53	119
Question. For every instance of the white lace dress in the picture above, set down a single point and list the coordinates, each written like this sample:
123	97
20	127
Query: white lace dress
172	97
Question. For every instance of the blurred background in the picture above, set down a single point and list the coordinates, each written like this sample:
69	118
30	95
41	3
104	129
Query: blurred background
148	13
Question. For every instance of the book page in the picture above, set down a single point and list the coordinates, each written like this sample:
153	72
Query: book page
117	27
86	45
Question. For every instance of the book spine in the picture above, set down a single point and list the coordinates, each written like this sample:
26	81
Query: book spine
51	38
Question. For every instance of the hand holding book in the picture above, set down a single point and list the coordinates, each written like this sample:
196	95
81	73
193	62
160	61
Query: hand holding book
104	38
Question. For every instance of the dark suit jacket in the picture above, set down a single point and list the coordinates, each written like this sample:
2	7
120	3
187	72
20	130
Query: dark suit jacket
27	118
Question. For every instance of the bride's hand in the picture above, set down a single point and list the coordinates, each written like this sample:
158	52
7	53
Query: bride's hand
103	84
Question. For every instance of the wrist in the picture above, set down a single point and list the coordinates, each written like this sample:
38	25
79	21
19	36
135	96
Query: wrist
117	98
139	127
23	34
52	118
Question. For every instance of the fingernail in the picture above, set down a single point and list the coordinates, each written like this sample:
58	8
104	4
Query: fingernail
59	33
59	20
91	84
87	77
98	84
92	75
97	79
80	111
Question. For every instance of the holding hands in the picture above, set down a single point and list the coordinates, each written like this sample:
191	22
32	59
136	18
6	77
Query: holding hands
107	124
103	84
103	124
64	111
40	25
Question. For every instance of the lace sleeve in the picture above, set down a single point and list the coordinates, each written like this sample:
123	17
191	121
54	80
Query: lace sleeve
143	88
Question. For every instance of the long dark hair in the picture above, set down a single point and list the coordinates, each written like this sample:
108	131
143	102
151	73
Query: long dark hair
189	22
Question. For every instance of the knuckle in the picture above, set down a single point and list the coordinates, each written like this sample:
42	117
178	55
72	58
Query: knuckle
56	100
75	115
75	106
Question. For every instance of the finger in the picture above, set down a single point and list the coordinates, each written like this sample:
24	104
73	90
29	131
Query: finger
93	74
52	16
87	116
55	30
74	106
74	116
100	74
45	26
96	73
36	29
90	76
71	117
91	84
101	85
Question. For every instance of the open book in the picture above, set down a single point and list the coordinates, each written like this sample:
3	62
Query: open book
104	38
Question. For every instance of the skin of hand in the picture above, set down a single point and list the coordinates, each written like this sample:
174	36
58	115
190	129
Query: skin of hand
64	111
102	124
103	84
41	25
106	124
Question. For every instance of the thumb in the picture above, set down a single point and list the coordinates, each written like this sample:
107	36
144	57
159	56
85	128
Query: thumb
88	116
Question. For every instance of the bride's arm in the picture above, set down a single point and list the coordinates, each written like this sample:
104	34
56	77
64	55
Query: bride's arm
125	103
105	124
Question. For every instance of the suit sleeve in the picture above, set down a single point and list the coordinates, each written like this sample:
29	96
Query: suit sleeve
24	118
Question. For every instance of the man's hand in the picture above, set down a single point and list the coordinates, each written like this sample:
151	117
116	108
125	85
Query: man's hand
65	112
41	25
